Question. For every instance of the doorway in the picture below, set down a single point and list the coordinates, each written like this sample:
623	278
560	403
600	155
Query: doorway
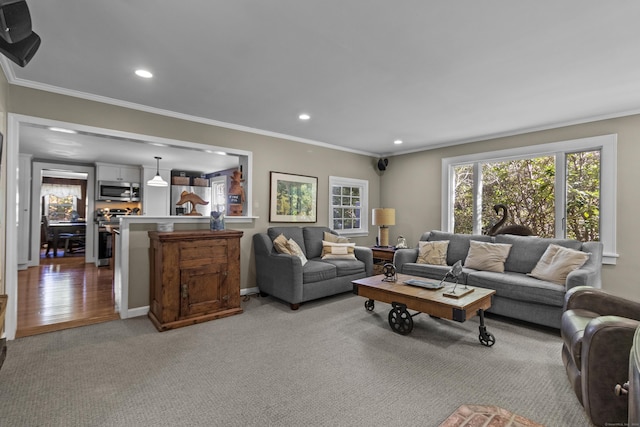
61	287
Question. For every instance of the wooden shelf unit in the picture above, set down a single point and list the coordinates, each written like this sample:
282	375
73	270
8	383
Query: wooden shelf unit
194	276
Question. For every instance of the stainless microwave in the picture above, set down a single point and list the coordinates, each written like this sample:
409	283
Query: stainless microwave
119	191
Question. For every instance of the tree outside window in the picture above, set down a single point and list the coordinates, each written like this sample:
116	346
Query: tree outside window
527	187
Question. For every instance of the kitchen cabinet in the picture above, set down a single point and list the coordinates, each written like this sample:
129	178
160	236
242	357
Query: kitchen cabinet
110	172
194	276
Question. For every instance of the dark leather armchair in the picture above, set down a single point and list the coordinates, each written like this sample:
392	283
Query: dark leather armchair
597	329
634	382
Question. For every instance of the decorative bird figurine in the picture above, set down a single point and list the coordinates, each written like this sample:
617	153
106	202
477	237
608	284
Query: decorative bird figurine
194	199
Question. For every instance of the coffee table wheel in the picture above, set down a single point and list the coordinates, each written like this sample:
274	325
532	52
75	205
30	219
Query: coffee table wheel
400	320
369	305
486	338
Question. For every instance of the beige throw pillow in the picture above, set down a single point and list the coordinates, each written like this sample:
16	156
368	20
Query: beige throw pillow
434	252
338	250
332	238
280	243
487	256
557	262
296	251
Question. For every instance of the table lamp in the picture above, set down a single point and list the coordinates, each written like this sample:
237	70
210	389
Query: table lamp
383	217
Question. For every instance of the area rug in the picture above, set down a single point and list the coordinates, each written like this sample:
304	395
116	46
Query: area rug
489	416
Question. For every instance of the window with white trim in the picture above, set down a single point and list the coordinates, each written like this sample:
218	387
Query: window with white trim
348	206
565	189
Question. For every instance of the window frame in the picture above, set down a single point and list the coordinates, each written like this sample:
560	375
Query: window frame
607	144
364	204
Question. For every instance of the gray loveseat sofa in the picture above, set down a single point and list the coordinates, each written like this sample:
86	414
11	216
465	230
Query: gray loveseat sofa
518	295
284	277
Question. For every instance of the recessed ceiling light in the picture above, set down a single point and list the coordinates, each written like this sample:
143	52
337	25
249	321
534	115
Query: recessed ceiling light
144	74
397	141
304	116
63	130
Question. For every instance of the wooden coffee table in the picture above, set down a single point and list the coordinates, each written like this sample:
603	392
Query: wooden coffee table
405	297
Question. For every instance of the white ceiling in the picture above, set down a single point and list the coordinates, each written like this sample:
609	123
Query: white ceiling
430	73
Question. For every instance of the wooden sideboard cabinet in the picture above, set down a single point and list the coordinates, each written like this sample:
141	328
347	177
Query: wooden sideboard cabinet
194	276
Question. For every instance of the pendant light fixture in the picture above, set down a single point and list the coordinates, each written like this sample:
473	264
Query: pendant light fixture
157	180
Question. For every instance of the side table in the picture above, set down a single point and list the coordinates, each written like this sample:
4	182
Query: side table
381	256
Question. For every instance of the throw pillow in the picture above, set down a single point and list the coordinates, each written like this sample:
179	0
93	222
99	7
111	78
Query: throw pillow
487	256
280	243
434	252
557	262
330	237
338	250
296	251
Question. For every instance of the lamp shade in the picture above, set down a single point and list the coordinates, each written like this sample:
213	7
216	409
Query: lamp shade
157	181
383	216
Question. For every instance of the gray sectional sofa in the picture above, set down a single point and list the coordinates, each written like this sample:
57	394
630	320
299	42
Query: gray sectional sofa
284	277
518	295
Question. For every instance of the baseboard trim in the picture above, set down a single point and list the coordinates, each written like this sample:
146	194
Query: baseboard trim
138	311
142	311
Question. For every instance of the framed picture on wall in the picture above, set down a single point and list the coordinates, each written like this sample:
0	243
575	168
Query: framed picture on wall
293	198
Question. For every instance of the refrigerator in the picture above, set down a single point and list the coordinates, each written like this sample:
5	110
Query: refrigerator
203	193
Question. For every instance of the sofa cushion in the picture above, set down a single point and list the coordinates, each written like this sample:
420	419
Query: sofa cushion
346	267
433	252
294	233
429	271
487	256
313	240
557	262
281	245
518	286
295	250
527	250
334	238
458	244
316	271
436	272
338	250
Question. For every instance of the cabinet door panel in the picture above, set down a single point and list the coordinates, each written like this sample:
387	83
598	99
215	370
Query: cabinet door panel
203	290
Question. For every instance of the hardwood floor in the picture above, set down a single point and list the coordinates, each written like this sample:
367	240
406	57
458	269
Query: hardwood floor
63	292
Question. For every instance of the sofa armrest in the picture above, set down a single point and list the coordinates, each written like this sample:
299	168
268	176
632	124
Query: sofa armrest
277	274
606	346
404	256
365	255
601	302
590	273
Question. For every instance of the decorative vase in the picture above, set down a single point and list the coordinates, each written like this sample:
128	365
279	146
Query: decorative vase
217	220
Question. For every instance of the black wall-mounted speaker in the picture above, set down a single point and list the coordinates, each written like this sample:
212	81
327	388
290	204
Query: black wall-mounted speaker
17	41
382	164
15	20
22	51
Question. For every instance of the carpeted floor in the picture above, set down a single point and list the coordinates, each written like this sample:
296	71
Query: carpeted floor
329	363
